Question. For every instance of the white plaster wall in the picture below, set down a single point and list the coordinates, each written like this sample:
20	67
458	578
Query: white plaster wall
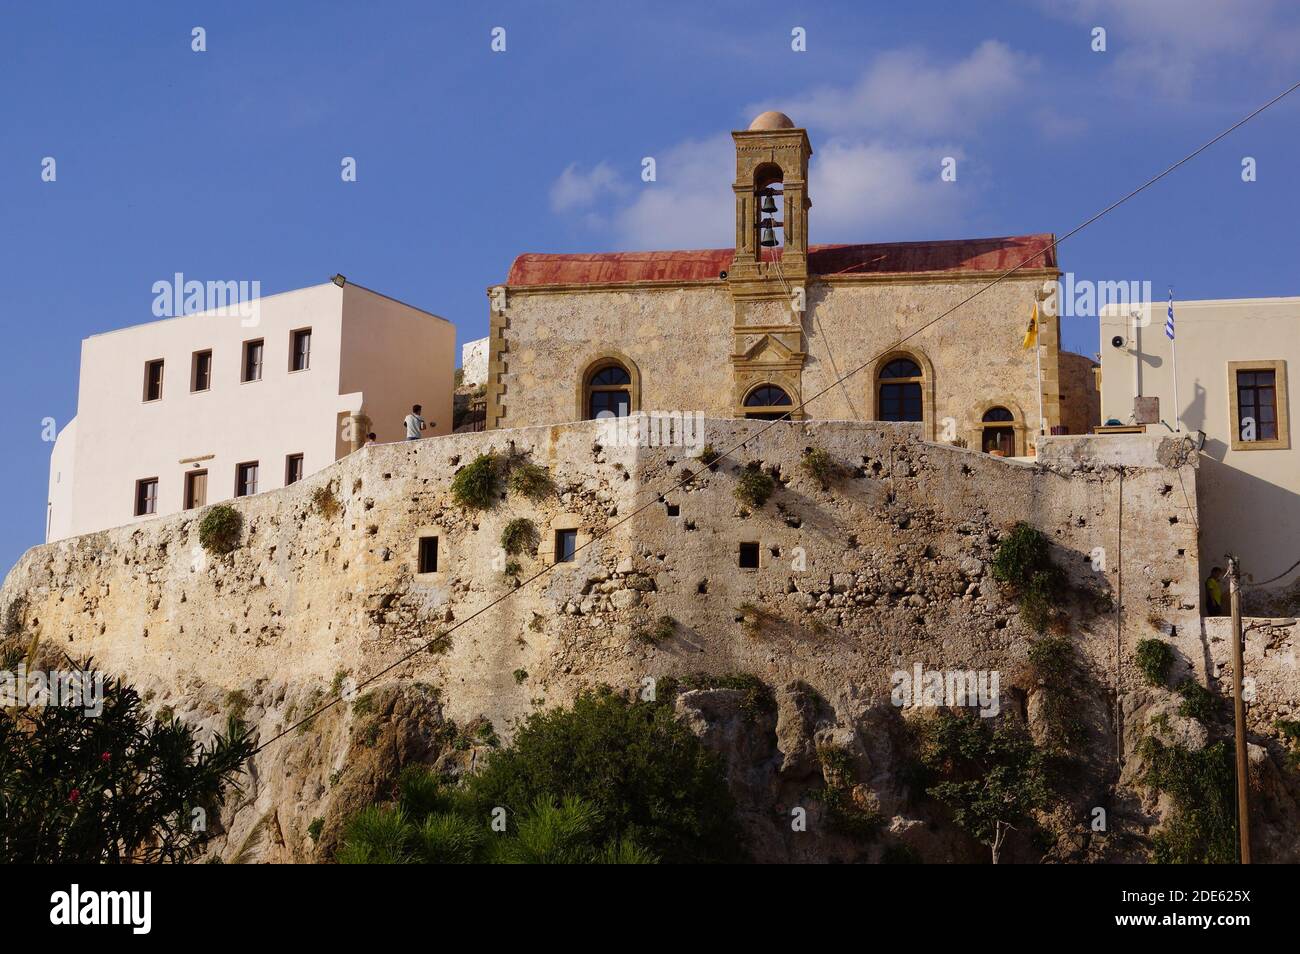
1250	499
395	352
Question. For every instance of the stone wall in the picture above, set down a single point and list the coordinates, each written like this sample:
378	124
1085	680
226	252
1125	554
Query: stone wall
886	567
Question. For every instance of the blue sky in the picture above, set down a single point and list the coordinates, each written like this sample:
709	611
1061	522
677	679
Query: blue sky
225	165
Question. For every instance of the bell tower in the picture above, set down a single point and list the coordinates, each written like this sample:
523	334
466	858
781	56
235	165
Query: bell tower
769	274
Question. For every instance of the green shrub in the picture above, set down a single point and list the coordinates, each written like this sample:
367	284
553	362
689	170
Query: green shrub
315	828
1052	661
530	480
220	528
110	789
754	486
1203	826
519	535
1023	552
709	455
1198	702
1154	657
520	675
512	568
1023	561
650	778
476	486
819	465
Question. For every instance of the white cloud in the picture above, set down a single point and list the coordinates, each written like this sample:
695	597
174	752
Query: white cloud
691	205
1171	45
865	192
575	189
905	90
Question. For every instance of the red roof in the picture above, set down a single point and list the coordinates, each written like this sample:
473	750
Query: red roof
892	258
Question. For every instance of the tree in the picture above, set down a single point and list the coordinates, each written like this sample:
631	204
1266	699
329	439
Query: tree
650	778
433	823
118	787
992	778
607	781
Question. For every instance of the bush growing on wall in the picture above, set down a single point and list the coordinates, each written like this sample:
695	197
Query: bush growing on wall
753	486
220	528
519	535
530	480
476	485
1023	561
1154	657
819	465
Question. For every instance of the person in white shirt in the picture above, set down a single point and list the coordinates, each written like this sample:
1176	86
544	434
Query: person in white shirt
414	423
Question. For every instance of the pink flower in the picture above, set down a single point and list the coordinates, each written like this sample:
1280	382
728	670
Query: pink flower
74	794
105	757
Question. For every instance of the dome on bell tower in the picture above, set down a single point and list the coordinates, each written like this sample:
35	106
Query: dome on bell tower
771	120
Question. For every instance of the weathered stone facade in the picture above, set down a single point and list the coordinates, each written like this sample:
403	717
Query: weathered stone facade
887	566
702	330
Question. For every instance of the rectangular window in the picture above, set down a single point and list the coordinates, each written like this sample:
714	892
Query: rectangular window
201	371
252	361
196	488
1259	405
292	469
673	509
300	350
749	556
153	379
428	554
566	545
146	496
246	479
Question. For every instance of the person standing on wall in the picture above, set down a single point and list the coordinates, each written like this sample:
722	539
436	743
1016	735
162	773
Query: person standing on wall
414	423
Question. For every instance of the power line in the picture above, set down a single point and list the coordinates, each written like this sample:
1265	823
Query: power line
785	416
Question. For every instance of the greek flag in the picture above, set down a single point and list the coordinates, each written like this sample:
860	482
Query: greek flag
1169	321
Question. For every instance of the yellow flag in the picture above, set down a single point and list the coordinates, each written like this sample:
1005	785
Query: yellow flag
1031	333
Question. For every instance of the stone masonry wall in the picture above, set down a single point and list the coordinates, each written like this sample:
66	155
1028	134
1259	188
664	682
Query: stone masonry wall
886	567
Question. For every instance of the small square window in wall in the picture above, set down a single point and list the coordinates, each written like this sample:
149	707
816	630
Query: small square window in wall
300	350
146	496
749	556
428	554
1259	405
566	545
153	379
292	469
673	509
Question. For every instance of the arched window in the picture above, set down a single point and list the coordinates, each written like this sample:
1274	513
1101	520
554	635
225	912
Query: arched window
608	392
999	436
900	391
767	400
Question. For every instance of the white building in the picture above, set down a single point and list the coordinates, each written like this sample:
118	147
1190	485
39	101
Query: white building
185	411
1233	361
